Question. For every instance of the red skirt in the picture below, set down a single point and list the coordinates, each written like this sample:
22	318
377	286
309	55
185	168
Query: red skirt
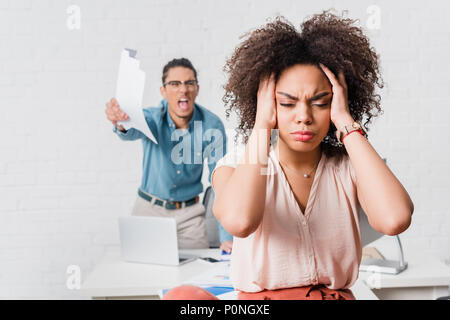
318	292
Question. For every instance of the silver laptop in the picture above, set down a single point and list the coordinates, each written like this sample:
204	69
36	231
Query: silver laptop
151	240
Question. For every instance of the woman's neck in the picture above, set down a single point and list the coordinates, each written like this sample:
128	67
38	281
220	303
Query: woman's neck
295	160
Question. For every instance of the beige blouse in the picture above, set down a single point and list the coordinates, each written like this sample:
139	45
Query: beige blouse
292	249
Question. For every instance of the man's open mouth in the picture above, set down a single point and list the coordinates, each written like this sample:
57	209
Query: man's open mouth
183	104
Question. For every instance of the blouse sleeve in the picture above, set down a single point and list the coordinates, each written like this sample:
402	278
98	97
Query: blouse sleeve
232	159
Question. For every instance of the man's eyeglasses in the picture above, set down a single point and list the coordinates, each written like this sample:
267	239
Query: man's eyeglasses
176	85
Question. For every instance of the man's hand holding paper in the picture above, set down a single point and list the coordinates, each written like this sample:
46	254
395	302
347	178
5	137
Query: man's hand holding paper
130	90
115	114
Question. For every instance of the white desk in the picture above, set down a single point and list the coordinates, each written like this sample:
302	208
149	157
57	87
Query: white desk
113	278
425	278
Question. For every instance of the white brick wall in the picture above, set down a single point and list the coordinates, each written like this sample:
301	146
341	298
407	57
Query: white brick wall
65	177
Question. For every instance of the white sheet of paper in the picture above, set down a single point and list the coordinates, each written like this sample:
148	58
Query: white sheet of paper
218	275
130	91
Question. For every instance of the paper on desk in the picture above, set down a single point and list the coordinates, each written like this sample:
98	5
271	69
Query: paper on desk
216	280
231	295
129	93
223	293
218	275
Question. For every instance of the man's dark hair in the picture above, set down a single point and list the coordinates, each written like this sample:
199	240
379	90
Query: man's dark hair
182	62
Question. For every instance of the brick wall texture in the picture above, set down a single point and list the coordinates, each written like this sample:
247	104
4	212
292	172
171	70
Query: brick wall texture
65	177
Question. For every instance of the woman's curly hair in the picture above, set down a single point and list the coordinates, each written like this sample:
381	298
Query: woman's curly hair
324	38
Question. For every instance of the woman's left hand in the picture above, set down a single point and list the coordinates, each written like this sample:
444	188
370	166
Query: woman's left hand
340	112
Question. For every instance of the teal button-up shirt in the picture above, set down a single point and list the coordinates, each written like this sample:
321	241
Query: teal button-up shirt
173	168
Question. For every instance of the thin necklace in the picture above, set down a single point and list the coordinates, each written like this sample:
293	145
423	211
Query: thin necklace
305	175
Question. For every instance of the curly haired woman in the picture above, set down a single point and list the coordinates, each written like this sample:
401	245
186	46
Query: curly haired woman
294	211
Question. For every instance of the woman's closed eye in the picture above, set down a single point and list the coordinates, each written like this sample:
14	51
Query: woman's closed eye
284	104
287	102
290	104
320	104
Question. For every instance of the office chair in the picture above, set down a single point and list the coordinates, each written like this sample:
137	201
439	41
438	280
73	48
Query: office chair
368	234
212	230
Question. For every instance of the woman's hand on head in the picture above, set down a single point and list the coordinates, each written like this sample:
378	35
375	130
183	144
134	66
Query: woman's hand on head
266	109
340	112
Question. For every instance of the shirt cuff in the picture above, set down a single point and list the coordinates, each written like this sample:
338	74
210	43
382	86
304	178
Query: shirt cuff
119	132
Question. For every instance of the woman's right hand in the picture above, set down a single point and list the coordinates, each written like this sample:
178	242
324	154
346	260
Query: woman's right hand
266	109
240	192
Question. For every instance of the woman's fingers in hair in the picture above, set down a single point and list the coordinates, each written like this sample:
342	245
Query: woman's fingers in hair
266	80
270	86
338	83
262	83
267	85
342	80
330	75
266	104
272	82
